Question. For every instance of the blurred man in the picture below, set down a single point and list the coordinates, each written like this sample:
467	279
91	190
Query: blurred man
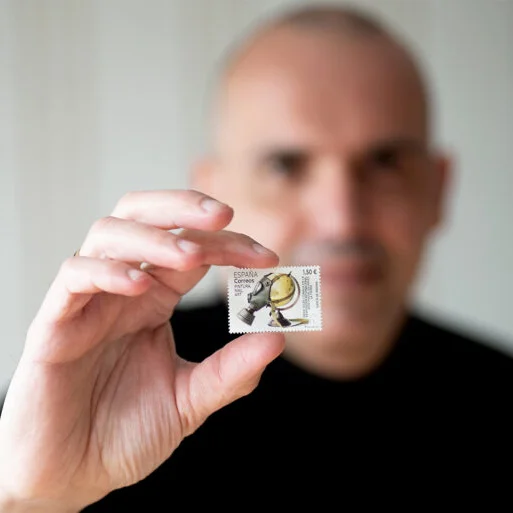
322	147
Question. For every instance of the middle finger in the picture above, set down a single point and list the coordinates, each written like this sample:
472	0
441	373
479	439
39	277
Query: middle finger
130	241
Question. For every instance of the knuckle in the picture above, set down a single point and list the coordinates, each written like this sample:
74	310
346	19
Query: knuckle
127	199
183	263
68	269
102	224
67	265
162	238
249	386
98	232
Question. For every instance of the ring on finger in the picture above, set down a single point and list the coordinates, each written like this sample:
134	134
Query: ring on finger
143	266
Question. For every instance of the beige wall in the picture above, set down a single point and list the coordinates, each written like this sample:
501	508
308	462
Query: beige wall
101	97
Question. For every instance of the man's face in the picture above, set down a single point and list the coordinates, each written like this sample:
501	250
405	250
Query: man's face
323	154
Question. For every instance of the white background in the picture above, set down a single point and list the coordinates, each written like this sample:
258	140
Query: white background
101	97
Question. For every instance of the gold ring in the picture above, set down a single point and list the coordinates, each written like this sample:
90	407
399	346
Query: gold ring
145	266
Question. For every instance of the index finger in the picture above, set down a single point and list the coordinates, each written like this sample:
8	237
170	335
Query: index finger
171	209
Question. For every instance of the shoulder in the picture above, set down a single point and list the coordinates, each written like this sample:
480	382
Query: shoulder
460	346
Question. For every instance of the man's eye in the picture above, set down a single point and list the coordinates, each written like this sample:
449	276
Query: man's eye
385	159
289	164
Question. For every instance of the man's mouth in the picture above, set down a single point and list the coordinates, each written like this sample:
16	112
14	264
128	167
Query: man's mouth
355	273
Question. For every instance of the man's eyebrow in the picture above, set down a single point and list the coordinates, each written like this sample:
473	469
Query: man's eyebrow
408	144
264	155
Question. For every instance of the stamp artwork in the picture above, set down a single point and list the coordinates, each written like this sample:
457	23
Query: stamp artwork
278	299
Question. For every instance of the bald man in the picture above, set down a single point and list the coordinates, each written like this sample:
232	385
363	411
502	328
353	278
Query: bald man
322	152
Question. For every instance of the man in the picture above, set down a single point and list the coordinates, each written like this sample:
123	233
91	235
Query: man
322	150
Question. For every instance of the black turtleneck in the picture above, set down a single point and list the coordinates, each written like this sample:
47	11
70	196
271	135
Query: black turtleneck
429	429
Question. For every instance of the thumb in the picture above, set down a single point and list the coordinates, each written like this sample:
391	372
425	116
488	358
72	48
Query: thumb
230	373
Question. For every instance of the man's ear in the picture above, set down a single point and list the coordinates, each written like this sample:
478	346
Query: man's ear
202	175
443	169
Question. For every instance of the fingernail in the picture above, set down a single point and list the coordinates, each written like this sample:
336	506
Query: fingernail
258	248
136	275
212	206
188	246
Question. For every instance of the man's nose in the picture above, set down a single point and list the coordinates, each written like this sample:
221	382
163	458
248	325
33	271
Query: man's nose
333	201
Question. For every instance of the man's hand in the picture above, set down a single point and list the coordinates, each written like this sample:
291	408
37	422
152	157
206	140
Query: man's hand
100	398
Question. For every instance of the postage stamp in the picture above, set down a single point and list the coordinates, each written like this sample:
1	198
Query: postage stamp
278	299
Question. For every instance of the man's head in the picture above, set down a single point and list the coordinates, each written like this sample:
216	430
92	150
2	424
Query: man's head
322	147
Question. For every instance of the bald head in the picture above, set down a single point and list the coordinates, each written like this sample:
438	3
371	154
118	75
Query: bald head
315	33
342	21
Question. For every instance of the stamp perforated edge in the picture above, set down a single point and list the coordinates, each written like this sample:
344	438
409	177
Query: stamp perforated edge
273	269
